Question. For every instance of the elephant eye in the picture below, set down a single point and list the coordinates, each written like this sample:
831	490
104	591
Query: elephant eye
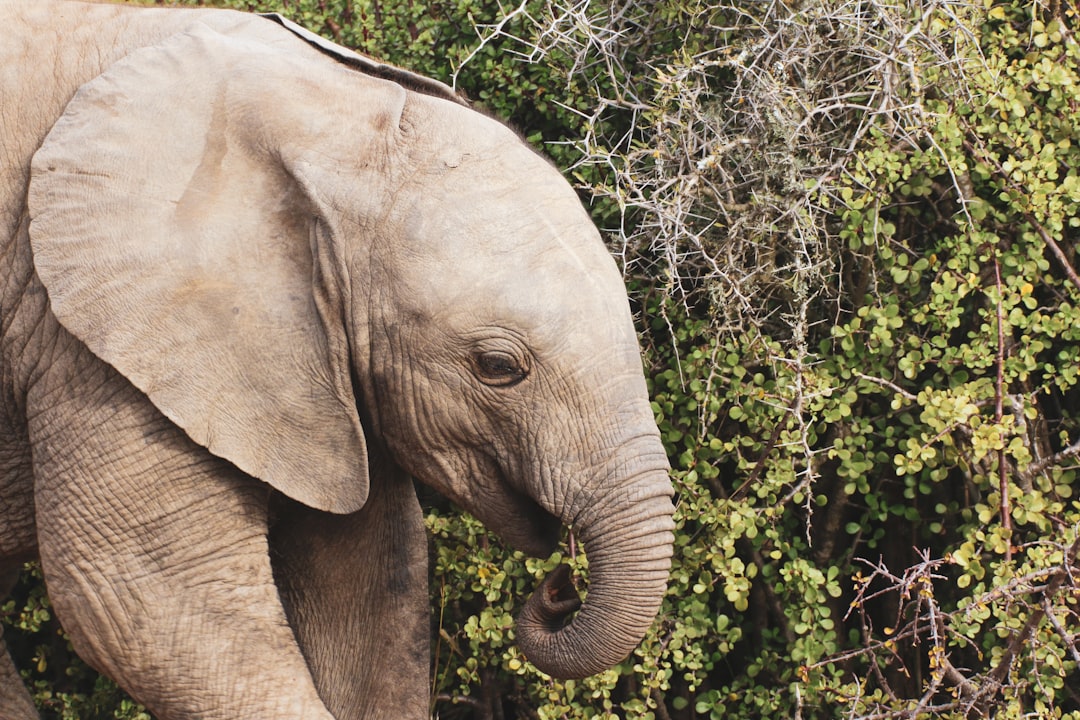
499	368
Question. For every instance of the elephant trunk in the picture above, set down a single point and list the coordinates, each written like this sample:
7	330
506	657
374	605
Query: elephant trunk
629	543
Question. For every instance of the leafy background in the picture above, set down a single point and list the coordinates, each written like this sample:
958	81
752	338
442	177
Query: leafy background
850	233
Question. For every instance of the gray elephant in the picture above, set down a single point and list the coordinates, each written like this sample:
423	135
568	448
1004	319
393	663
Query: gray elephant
252	285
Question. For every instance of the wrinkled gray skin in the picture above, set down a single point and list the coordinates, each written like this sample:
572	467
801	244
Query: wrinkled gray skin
250	288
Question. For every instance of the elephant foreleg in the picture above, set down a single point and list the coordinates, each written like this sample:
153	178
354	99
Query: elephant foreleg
355	589
156	557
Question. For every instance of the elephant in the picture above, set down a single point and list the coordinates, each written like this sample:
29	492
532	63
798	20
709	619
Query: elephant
253	286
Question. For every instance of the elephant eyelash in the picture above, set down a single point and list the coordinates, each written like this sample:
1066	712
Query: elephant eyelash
499	368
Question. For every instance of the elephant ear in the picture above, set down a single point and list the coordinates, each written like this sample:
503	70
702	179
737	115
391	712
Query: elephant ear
366	65
176	244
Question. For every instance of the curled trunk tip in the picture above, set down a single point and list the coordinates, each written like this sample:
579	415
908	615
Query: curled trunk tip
626	586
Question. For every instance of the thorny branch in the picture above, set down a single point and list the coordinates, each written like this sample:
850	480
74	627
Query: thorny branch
920	621
736	198
999	403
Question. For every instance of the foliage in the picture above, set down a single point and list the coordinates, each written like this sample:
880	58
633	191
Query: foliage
851	231
62	686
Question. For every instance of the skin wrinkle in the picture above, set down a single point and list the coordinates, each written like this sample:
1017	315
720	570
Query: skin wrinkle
395	171
568	422
149	535
37	344
545	471
15	285
327	291
589	515
206	182
582	421
507	413
165	567
486	475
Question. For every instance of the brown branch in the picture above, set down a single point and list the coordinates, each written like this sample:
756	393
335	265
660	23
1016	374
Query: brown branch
1055	249
999	408
996	677
887	384
661	708
490	691
1037	467
1066	637
461	700
976	693
744	545
968	690
781	423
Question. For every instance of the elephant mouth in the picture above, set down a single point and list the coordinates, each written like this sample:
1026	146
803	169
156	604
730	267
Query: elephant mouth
528	527
515	517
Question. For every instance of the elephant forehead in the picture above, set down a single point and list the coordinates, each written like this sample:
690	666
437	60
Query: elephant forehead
532	225
491	226
529	261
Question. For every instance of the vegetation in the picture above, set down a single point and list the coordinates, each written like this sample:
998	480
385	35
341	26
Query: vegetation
851	232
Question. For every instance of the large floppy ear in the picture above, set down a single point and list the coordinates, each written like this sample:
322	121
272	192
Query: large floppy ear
177	243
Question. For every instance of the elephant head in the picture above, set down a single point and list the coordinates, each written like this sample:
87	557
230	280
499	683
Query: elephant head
292	271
